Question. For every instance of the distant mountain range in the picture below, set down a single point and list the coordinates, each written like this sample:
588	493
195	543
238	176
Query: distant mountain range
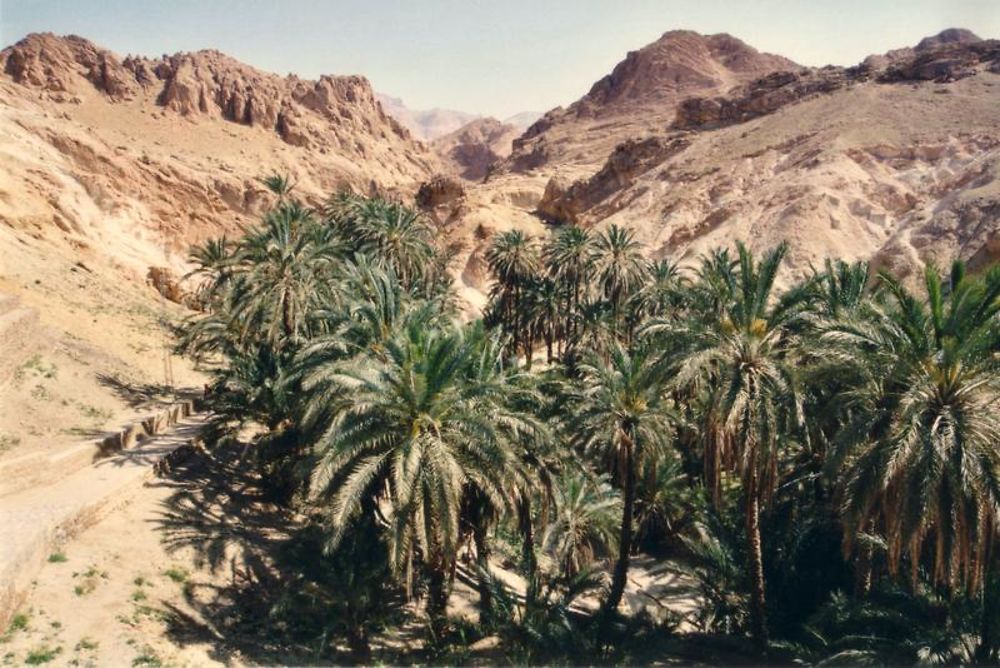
693	141
430	124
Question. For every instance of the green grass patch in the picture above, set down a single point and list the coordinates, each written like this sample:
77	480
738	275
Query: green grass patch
18	623
147	658
57	558
138	595
86	644
41	655
177	574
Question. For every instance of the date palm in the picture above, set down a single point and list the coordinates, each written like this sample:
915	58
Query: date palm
417	430
619	267
514	262
744	351
624	420
569	257
283	273
543	305
586	522
389	233
920	458
212	262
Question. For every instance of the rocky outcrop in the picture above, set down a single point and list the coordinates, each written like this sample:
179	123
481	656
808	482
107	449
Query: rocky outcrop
944	62
944	58
639	97
163	281
566	203
761	97
439	191
334	113
475	148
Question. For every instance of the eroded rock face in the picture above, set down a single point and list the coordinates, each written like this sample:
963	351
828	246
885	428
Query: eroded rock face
761	97
331	112
475	148
944	62
163	281
128	162
944	58
439	191
639	97
565	203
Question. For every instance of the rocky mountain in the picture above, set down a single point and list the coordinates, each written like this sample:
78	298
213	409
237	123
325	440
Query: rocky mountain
473	149
639	96
694	141
896	160
523	120
425	124
130	160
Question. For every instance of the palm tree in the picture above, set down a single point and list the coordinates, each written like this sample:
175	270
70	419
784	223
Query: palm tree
388	233
569	259
212	262
746	355
416	430
279	184
588	511
543	305
283	273
595	327
920	457
619	267
663	294
623	419
513	260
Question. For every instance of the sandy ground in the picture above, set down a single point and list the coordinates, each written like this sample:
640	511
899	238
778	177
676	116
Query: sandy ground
174	578
110	597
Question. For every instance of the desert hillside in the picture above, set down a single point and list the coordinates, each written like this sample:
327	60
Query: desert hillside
895	159
118	157
474	149
110	169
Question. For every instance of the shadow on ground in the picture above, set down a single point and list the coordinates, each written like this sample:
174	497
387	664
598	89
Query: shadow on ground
143	395
254	601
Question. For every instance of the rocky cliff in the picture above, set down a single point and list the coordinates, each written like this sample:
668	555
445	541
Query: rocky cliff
476	147
896	160
130	160
640	96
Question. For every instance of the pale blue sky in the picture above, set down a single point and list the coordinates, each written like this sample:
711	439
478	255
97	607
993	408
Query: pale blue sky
496	57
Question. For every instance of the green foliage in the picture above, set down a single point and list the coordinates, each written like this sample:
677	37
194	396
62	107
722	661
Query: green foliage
781	446
43	654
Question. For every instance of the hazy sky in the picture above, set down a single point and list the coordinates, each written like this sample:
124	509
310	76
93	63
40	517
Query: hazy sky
496	57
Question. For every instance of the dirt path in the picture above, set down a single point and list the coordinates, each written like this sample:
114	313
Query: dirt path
101	596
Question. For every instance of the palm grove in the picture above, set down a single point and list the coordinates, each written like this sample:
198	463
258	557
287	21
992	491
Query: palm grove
822	461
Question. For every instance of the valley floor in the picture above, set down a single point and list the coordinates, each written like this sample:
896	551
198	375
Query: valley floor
183	575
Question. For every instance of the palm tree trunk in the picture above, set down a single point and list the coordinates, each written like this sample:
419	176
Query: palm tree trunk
286	313
758	613
357	640
528	558
988	651
620	576
863	571
482	566
437	599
